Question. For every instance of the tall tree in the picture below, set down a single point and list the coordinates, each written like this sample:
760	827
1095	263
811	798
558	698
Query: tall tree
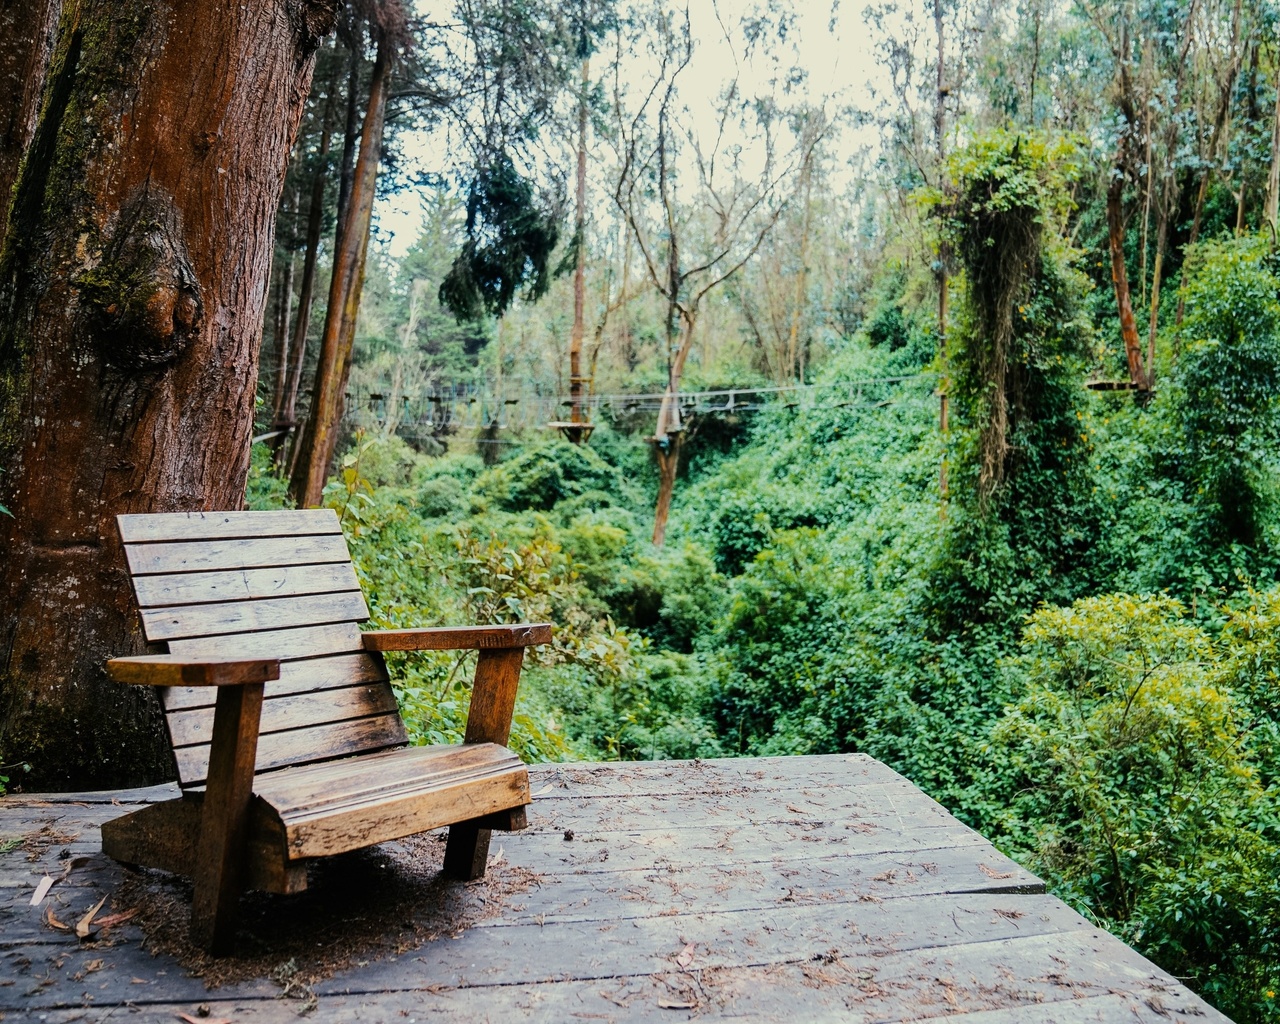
132	280
691	247
347	278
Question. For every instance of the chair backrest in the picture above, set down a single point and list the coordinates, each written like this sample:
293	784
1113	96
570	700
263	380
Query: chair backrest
254	584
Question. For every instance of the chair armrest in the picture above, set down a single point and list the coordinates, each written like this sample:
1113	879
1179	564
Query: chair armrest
453	638
167	670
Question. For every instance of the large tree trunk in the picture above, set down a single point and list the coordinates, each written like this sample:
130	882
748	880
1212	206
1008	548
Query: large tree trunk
132	281
321	435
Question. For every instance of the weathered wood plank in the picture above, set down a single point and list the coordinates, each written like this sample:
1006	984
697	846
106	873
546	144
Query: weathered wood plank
244	584
392	817
816	889
716	776
180	622
893	806
728	939
166	670
204	556
195	726
309	675
282	644
773	994
147	794
786	880
452	638
303	746
300	791
161	526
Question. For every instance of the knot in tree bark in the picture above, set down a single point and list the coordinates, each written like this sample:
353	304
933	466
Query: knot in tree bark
143	295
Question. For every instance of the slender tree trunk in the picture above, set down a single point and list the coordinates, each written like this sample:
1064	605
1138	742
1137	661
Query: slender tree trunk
287	417
351	135
321	435
802	280
669	436
668	467
132	281
1219	126
1120	280
26	41
1273	173
280	331
577	412
944	255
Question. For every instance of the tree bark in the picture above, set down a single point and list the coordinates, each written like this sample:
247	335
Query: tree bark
132	281
321	435
668	437
1273	172
351	134
668	467
1120	280
26	42
280	331
287	415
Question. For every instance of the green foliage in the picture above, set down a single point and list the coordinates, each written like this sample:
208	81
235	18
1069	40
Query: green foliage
1138	790
816	595
547	475
1228	382
511	234
265	487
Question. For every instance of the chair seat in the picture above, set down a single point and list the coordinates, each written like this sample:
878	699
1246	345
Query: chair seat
343	805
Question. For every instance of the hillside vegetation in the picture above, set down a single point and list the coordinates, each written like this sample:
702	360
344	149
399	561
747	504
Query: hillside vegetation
1081	666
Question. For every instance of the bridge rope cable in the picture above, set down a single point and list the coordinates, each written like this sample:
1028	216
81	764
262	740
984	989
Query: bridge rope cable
477	407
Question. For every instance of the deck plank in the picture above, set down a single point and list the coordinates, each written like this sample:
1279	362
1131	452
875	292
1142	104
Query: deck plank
809	888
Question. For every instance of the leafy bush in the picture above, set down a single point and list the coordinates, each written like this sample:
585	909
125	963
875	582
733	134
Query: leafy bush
1139	796
1228	382
541	477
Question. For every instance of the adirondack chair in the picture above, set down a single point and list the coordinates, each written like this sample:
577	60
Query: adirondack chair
284	727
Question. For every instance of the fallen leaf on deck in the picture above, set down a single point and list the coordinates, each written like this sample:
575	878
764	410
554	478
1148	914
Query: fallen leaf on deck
992	873
42	890
498	857
53	922
93	965
675	1004
545	789
686	956
203	1020
82	926
111	920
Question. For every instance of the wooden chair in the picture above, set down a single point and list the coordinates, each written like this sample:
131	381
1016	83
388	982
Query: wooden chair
284	727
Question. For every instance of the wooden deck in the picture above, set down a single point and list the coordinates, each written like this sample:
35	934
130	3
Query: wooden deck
782	889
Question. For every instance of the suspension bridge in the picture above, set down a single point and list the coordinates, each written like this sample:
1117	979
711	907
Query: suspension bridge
484	409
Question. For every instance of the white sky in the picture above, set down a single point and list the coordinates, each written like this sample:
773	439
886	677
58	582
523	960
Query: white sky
833	43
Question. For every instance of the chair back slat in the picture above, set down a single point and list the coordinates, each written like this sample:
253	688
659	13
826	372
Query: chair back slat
263	584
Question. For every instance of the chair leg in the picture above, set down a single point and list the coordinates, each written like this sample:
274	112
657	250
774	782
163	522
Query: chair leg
467	854
224	817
